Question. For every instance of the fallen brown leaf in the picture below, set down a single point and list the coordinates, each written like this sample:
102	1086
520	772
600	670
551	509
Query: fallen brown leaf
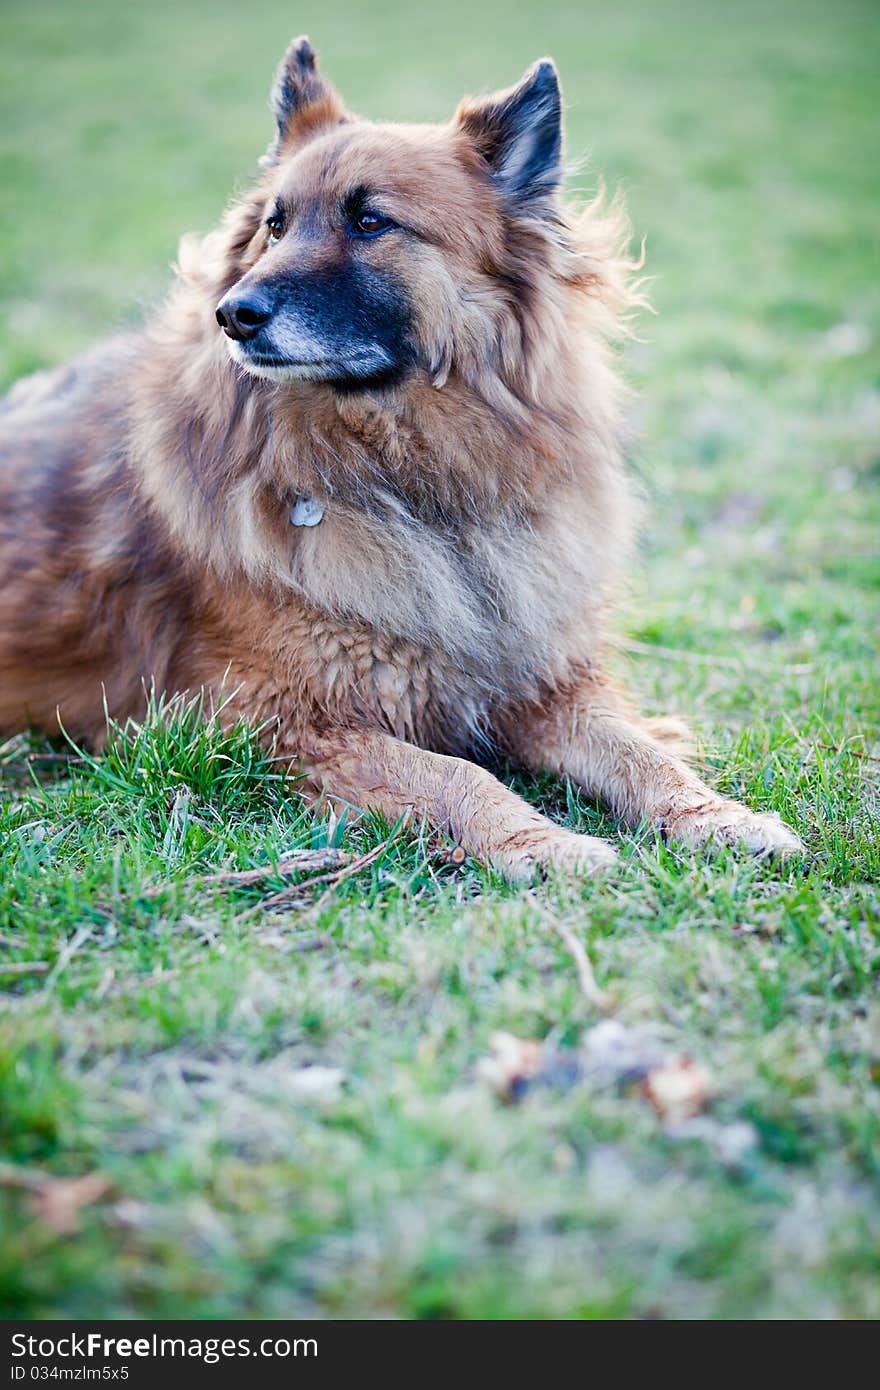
511	1064
610	1056
678	1089
56	1201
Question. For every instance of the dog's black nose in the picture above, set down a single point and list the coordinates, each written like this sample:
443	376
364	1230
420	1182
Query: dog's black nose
241	318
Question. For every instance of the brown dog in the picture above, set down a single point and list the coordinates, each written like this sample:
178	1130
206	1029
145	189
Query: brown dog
363	470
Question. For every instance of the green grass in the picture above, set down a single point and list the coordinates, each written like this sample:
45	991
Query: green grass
163	1038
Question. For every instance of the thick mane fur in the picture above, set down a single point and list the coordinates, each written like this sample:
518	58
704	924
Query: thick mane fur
443	505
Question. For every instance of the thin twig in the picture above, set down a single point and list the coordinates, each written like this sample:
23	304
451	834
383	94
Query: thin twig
334	879
303	861
853	752
589	988
54	758
798	668
81	935
25	760
25	967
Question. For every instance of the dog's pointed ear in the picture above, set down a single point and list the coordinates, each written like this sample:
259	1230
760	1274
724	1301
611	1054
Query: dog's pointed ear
518	133
301	99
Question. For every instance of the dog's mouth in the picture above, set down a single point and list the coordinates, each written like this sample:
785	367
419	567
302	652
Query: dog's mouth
274	367
350	368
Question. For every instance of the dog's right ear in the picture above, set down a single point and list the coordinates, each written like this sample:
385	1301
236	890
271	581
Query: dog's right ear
518	133
301	100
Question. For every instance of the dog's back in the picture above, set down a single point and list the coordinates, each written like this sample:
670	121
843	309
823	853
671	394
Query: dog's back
87	587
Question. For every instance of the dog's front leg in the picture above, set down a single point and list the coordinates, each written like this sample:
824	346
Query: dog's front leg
638	766
368	769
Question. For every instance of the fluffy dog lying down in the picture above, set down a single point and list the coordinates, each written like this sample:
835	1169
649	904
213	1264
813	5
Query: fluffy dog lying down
362	468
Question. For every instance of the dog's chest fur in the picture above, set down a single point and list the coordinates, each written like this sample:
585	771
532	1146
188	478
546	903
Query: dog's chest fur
424	623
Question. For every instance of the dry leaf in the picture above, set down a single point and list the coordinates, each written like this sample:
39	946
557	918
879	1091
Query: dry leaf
56	1201
677	1089
59	1201
611	1055
512	1064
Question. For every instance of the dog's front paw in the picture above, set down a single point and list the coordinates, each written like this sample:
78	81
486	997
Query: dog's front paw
729	823
525	856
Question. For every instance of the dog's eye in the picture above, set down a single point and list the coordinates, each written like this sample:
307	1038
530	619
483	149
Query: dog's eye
274	226
370	224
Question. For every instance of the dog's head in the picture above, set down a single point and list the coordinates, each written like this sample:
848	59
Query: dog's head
371	252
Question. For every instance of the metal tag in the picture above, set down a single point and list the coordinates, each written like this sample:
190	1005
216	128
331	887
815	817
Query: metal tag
306	512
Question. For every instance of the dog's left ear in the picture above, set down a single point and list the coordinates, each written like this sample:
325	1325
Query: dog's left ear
519	134
302	100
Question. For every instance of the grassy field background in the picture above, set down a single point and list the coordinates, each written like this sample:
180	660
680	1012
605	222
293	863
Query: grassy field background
285	1108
